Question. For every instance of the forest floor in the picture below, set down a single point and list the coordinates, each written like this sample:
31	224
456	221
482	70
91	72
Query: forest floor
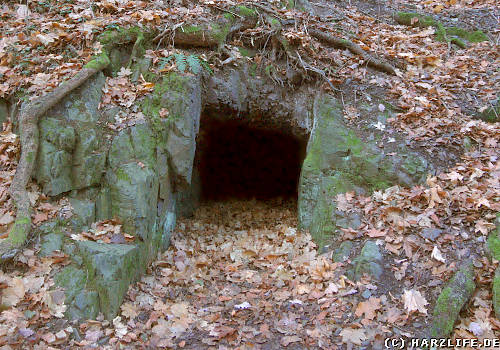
239	275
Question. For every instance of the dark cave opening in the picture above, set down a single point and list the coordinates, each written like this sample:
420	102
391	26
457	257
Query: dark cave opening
238	158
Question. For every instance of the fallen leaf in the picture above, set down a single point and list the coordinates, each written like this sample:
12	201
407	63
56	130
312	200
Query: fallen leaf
414	301
14	292
355	336
368	308
288	339
436	254
6	219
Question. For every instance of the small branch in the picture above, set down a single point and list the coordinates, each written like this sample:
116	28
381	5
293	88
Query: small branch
354	48
224	10
316	70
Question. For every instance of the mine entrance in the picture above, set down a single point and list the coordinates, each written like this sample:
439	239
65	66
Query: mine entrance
243	158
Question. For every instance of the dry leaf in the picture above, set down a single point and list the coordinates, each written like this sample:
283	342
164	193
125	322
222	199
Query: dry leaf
436	254
368	308
14	292
414	301
286	340
355	336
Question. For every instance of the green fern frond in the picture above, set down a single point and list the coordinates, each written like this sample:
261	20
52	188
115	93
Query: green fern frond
180	61
205	65
194	63
164	61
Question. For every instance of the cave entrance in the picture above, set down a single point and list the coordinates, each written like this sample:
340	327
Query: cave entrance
239	157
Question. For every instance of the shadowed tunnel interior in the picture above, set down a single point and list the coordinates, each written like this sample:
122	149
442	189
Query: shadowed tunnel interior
238	159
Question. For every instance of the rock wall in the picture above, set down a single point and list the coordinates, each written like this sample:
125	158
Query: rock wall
136	175
143	174
341	159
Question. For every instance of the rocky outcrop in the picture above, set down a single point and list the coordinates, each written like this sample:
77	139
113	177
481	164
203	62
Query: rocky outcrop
143	175
134	176
341	159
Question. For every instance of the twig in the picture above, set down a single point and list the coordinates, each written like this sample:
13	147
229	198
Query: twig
354	48
231	12
264	8
161	36
316	70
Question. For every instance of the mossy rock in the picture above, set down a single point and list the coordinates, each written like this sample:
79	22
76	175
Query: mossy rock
4	111
134	194
368	262
246	11
343	252
72	279
452	299
496	293
338	160
110	270
454	35
491	114
50	243
493	241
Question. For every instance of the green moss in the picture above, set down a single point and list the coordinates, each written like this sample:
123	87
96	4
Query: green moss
151	106
275	23
119	36
253	69
122	175
19	231
442	303
408	17
220	31
99	62
451	300
228	16
443	34
440	32
246	11
496	293
473	37
191	29
494	244
246	52
458	42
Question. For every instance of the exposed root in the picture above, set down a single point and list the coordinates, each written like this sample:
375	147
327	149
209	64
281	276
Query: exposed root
214	36
136	49
372	61
28	128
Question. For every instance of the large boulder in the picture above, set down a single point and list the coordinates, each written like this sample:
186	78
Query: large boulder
339	160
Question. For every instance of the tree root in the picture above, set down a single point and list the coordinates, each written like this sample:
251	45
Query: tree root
28	128
372	61
206	36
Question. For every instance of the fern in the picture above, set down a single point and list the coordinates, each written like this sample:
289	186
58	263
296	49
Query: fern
164	61
205	65
183	62
180	61
194	64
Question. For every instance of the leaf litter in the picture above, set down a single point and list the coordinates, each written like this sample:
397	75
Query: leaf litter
254	279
